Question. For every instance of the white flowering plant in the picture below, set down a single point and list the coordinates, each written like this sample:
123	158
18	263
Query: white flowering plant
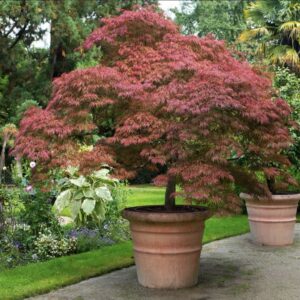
48	245
86	196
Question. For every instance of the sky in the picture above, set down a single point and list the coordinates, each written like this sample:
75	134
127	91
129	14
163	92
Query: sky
166	5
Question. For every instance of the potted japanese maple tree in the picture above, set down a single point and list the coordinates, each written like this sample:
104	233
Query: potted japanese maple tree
272	217
158	97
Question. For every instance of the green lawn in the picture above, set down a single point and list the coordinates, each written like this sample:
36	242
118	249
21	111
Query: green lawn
42	277
140	195
38	278
145	195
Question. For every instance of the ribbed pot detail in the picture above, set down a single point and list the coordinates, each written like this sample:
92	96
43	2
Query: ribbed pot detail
167	247
272	221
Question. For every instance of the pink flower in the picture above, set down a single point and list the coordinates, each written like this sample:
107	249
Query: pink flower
28	188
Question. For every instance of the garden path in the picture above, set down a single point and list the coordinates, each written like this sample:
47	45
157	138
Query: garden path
233	268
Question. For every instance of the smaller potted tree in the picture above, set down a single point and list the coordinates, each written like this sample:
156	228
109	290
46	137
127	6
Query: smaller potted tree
182	102
272	217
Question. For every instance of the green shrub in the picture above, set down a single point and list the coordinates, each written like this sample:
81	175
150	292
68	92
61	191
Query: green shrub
38	214
95	201
86	196
288	86
114	227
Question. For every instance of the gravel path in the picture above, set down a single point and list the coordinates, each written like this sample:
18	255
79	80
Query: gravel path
232	268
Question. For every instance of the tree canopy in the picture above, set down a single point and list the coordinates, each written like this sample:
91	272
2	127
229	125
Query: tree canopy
180	101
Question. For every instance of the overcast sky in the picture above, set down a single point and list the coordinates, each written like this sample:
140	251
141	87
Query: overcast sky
166	5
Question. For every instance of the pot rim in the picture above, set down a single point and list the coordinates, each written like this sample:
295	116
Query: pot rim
166	217
274	198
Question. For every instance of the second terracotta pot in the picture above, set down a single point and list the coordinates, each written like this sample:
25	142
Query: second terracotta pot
167	245
272	221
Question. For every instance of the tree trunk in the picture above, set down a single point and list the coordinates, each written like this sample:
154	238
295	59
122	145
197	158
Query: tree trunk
2	159
19	170
170	191
56	51
52	50
271	185
1	214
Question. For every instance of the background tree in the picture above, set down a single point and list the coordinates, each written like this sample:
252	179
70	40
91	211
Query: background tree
26	73
222	18
178	101
275	29
288	86
8	132
20	26
72	20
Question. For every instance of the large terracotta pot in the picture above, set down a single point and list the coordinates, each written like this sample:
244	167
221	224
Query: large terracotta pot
272	221
167	245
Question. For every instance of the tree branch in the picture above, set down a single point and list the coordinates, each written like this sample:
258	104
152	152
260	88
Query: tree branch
10	30
23	29
19	35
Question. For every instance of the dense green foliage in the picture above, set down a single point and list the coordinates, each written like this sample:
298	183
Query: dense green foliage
288	86
224	19
37	212
26	72
274	30
31	230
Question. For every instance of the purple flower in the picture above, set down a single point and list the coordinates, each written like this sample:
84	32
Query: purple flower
17	244
83	232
